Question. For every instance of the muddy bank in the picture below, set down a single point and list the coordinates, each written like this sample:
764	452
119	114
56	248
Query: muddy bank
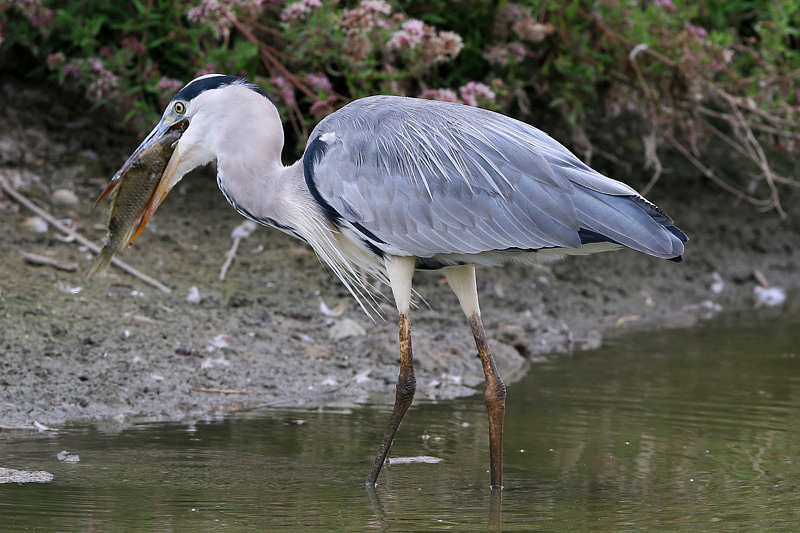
120	351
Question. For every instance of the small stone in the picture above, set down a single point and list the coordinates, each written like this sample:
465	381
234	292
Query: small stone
35	224
64	197
346	328
769	296
516	337
194	295
68	457
717	283
316	351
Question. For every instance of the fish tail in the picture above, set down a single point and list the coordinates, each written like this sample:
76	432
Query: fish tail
101	263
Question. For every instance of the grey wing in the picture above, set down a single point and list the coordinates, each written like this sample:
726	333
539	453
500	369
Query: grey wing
418	177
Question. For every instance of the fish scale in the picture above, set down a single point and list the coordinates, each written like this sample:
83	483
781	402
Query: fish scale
130	196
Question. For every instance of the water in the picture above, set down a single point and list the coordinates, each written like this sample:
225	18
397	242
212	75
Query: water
695	429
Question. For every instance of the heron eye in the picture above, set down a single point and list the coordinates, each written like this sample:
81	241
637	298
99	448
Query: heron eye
179	108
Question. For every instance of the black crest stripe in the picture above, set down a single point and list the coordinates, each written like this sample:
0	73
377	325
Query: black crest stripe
196	87
314	153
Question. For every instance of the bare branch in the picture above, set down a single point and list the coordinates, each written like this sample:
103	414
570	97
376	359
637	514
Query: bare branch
20	198
707	172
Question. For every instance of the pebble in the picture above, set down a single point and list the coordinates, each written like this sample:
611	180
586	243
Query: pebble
770	296
35	224
244	230
345	328
64	197
68	457
717	283
194	295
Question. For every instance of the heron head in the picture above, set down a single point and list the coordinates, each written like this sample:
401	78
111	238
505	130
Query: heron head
213	112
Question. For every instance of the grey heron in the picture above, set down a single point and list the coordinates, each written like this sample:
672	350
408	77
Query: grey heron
389	185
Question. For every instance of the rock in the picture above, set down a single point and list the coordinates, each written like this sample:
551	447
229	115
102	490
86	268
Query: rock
194	295
717	283
35	224
516	337
316	351
64	197
11	152
346	328
9	475
769	296
68	457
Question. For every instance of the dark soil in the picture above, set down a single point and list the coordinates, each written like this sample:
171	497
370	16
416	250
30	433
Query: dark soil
116	350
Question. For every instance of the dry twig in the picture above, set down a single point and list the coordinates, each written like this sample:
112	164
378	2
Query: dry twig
743	115
219	391
20	198
41	260
243	230
272	64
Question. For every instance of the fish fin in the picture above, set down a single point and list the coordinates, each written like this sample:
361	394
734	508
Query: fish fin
112	185
101	263
138	229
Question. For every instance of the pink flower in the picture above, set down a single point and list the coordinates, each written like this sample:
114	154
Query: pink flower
73	68
531	30
295	11
42	17
100	82
203	11
376	6
444	95
369	14
666	5
319	81
55	60
437	49
409	35
475	93
133	44
169	85
697	31
285	90
219	14
414	27
320	109
451	43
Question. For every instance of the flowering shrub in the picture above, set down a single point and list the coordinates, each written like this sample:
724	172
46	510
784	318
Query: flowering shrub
695	73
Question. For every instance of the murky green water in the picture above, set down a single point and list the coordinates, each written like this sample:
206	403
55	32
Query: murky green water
695	429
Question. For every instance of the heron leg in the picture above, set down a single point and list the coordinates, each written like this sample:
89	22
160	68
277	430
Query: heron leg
495	396
462	281
400	271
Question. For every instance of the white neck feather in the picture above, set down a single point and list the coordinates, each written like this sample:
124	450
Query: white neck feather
252	178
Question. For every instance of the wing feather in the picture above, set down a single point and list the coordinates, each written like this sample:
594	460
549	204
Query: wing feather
426	178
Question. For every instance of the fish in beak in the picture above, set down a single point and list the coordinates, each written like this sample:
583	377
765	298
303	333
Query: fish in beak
147	144
138	188
168	180
153	141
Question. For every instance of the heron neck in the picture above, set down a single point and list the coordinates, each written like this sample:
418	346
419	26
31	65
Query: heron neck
269	193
